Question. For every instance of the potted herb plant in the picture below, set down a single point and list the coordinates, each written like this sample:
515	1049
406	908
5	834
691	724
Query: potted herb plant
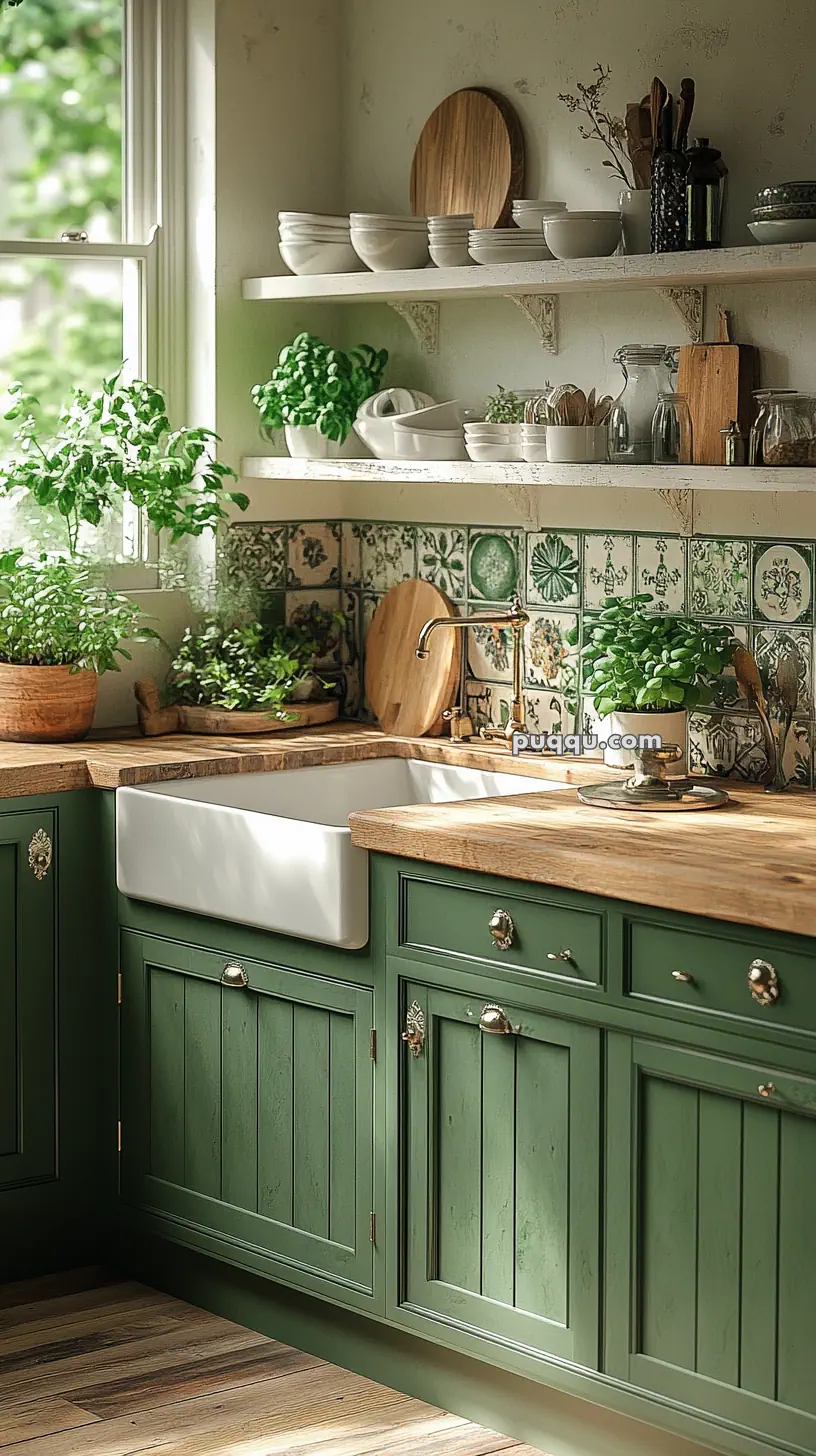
314	393
60	628
58	632
646	671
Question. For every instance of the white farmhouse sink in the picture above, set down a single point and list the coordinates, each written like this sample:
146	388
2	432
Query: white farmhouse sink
274	850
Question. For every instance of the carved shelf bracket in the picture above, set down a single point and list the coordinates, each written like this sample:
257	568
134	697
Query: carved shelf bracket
681	505
423	321
690	304
540	310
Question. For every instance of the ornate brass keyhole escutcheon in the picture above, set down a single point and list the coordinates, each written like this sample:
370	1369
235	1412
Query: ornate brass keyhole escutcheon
763	982
40	851
414	1033
502	929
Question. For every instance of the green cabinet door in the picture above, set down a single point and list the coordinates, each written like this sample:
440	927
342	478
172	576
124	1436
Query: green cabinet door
247	1109
501	1159
712	1210
28	1111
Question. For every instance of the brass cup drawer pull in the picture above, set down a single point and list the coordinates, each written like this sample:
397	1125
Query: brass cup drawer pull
684	976
235	977
502	929
766	1089
763	982
494	1021
560	955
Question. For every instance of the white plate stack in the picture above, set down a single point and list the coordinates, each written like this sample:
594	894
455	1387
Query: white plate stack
486	442
448	238
507	245
385	242
313	242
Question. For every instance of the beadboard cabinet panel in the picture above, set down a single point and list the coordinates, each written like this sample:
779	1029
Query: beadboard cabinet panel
248	1109
28	1006
720	1200
501	1151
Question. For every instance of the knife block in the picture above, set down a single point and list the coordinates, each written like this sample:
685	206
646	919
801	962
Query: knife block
718	381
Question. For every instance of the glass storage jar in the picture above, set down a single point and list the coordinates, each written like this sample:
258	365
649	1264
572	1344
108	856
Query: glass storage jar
789	433
671	431
762	398
646	373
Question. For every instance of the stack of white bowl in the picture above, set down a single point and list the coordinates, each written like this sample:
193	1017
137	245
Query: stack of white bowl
448	238
507	245
312	242
498	443
385	242
529	214
534	443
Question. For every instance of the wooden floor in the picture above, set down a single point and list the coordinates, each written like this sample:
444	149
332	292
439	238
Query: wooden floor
90	1367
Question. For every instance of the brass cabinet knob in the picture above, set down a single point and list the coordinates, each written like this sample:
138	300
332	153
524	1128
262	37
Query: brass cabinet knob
559	955
763	982
766	1089
495	1021
502	929
235	977
684	976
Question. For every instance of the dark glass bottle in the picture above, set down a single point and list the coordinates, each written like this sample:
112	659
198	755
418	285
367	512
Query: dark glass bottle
669	202
705	182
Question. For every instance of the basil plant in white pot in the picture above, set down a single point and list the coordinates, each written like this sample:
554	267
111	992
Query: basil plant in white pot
647	671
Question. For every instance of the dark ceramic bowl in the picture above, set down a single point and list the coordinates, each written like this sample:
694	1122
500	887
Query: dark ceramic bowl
785	212
787	194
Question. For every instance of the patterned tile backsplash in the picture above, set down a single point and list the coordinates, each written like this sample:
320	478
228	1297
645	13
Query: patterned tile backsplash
761	589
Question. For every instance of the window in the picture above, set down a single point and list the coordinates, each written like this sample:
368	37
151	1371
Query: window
86	112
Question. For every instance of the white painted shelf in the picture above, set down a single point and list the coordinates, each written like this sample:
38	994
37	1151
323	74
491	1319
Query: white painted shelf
455	472
789	261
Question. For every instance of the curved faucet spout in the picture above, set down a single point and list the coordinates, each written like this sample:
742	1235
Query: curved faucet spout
422	641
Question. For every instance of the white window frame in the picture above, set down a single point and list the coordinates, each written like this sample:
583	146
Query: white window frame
153	227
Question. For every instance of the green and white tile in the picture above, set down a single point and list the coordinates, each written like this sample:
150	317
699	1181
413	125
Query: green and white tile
771	644
388	555
725	691
256	554
490	649
442	558
660	570
608	566
719	578
494	563
488	704
589	724
548	712
549	660
782	582
726	744
313	554
350	554
317	612
553	574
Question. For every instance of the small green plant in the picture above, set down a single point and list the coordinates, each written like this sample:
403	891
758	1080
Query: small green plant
637	661
114	443
53	614
247	667
313	384
504	408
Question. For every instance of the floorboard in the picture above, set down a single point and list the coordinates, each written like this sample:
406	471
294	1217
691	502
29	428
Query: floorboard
94	1367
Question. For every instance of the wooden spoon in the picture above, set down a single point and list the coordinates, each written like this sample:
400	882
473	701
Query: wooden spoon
750	685
576	407
787	696
657	99
602	409
589	413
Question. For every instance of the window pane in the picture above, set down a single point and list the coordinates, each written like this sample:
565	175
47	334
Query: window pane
60	327
61	119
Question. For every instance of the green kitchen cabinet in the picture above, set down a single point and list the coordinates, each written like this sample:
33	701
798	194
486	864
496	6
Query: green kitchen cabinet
500	1152
28	1000
711	1278
247	1112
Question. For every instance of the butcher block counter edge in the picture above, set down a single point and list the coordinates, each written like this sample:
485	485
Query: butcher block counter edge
753	862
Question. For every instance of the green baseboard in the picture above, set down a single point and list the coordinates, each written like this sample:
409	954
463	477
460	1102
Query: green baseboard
556	1423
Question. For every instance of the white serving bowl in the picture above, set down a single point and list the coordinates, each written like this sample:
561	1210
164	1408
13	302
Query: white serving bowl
384	219
488	254
445	416
497	454
490	427
450	255
788	230
313	235
413	444
306	259
530	217
383	251
583	234
376	417
321	219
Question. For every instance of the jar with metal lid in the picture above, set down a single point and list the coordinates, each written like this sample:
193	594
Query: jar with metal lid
646	371
762	398
789	432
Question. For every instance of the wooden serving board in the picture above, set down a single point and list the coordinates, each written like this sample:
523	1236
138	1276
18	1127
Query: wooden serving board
718	380
223	722
469	158
408	695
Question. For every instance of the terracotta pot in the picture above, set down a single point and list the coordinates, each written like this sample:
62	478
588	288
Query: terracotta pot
46	704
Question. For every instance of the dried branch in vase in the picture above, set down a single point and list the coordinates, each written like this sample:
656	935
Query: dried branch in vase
609	130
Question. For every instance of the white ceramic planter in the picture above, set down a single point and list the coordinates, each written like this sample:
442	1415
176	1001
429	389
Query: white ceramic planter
636	218
670	727
305	442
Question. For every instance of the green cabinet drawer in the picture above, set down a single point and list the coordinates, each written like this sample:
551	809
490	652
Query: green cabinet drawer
709	974
550	939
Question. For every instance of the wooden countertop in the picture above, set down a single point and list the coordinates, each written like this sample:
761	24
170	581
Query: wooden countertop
753	862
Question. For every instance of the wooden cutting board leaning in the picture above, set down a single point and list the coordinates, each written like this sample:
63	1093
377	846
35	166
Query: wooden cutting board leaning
406	695
718	380
469	159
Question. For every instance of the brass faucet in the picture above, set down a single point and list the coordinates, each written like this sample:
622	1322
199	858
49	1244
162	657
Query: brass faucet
461	726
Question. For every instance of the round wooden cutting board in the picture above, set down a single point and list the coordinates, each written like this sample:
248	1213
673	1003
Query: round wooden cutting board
407	695
469	158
